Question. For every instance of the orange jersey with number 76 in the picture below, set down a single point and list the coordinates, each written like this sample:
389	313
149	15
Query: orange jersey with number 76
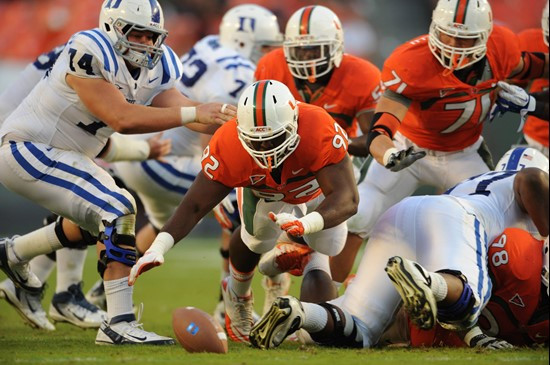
322	142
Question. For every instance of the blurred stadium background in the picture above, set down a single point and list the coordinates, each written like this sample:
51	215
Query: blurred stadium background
373	28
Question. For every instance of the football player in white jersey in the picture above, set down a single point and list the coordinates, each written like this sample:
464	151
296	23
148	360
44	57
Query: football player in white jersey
216	69
448	237
68	303
118	77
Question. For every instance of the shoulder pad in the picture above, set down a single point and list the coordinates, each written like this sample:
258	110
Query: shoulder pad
100	46
171	65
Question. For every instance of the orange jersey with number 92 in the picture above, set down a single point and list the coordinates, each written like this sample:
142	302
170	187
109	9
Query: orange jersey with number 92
322	142
445	113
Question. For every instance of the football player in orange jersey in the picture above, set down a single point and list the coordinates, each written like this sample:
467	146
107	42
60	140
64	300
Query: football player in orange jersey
314	66
534	106
517	311
291	161
439	90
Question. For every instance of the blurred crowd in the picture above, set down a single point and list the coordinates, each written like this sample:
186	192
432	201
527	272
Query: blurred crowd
372	27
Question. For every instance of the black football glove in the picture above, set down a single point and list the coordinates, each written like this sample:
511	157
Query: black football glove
404	158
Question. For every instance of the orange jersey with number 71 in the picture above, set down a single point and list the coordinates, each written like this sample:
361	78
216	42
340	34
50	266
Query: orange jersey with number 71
446	114
322	142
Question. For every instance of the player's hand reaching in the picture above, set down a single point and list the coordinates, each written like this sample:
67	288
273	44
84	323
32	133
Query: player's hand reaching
297	227
512	98
158	147
215	113
146	262
395	160
476	338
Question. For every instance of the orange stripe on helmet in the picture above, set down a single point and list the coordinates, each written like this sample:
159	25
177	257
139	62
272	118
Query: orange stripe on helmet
259	103
460	13
304	20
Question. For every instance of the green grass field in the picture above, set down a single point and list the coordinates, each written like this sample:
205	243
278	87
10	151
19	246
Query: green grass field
190	277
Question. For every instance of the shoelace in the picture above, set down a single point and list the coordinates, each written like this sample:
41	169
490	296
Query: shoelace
137	325
244	310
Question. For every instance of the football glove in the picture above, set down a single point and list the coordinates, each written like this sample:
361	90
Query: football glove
512	98
399	160
476	338
221	212
297	227
149	260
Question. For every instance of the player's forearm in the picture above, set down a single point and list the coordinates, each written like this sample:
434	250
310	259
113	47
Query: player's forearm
143	119
358	146
338	207
379	146
531	187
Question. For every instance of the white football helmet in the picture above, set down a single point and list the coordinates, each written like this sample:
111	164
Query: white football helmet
520	157
314	42
463	19
119	17
267	114
544	24
246	28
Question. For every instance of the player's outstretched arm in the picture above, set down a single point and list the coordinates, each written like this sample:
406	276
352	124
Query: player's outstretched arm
208	116
202	197
531	191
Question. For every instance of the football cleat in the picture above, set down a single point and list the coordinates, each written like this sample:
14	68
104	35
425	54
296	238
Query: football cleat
413	284
125	329
96	295
71	306
285	316
288	257
238	313
273	290
28	305
19	273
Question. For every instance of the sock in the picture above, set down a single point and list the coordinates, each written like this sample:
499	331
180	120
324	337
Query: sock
240	282
119	297
38	242
315	318
277	279
439	286
42	266
70	264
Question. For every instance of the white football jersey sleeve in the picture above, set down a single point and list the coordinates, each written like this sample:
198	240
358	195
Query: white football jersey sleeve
211	73
53	113
491	198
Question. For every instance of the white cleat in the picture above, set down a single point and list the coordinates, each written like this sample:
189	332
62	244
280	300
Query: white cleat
126	330
20	273
273	290
28	305
71	306
285	317
238	313
413	284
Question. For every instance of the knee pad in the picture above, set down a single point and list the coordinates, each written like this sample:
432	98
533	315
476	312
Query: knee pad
345	334
457	315
87	238
113	252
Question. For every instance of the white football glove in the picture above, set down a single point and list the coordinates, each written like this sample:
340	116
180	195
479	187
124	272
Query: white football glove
149	260
398	160
297	227
512	98
476	338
